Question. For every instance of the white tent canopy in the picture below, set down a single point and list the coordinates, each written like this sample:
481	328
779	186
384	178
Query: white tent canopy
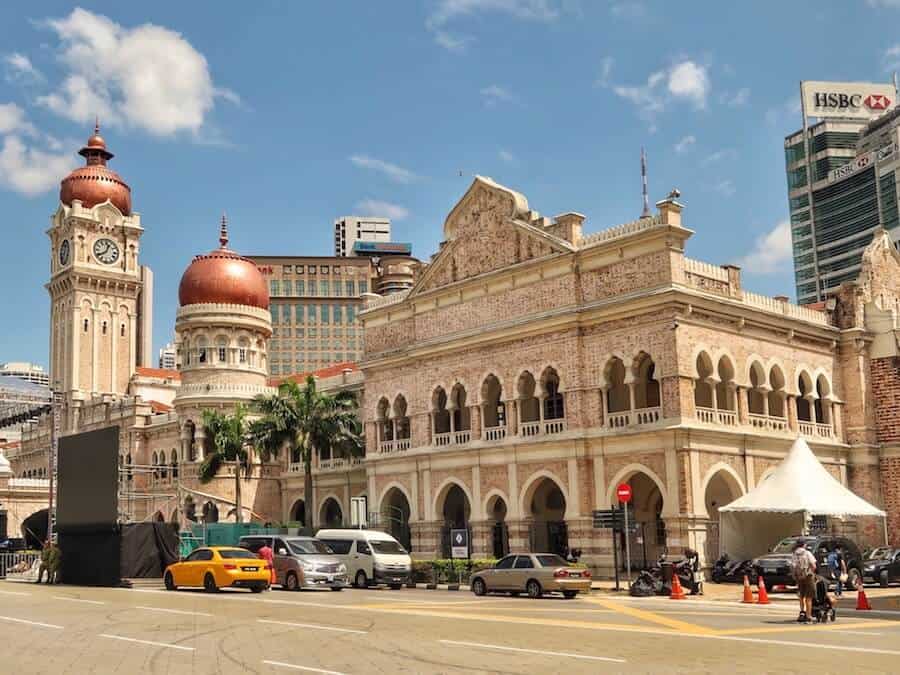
779	506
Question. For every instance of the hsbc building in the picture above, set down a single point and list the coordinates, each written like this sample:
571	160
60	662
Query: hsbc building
842	175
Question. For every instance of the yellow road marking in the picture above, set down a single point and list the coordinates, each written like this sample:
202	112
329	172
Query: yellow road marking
653	617
801	628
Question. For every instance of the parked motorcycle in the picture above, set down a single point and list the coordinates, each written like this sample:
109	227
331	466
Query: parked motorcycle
651	581
726	570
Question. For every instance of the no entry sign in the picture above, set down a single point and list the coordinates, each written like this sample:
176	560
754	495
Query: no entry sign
623	492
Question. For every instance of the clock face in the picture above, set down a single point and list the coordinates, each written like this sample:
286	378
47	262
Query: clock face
106	251
64	253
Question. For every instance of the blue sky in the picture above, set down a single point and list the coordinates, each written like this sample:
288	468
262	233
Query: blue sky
287	115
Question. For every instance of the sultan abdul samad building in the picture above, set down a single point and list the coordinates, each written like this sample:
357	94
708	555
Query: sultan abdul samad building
531	368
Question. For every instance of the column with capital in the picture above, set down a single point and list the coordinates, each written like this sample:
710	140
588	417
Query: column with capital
95	355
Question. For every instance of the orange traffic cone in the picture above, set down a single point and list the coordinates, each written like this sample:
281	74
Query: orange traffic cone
677	590
763	594
862	602
748	592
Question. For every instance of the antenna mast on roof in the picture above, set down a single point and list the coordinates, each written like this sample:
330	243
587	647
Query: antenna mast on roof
646	212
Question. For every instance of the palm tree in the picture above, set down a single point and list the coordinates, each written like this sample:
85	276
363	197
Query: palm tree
306	421
228	436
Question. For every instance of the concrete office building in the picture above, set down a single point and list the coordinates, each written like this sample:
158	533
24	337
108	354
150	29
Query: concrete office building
835	202
350	229
29	372
168	357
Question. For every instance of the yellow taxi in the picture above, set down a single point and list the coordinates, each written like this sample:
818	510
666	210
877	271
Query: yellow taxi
215	567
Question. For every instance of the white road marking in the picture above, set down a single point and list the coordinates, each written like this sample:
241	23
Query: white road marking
172	611
30	623
90	602
853	632
533	651
147	642
306	668
313	626
791	643
13	593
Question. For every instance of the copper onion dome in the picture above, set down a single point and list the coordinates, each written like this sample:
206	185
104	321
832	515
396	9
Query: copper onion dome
94	183
223	276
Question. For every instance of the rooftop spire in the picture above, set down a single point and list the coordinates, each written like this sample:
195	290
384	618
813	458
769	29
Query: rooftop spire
223	232
646	212
96	124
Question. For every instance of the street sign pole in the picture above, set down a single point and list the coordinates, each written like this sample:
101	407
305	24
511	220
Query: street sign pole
627	547
615	537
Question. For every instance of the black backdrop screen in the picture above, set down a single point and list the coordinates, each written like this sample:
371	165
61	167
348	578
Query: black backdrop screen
88	491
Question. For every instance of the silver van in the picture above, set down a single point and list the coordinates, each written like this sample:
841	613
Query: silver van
300	562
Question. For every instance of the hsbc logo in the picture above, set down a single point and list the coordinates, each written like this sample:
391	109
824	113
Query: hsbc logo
841	101
877	102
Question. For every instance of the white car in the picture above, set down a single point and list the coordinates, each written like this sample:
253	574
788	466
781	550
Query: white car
371	557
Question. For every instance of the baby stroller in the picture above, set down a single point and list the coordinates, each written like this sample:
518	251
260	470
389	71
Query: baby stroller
822	609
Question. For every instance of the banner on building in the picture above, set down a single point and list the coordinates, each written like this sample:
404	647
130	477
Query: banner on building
858	100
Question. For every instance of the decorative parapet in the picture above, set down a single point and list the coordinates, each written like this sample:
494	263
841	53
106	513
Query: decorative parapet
163	418
624	230
788	309
204	308
705	269
374	301
218	390
29	483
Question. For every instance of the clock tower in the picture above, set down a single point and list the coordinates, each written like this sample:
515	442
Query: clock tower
100	295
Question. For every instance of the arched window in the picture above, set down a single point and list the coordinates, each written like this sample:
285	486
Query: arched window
461	418
103	328
776	394
725	386
401	419
646	387
493	409
440	415
703	390
202	348
757	394
617	397
174	463
222	350
823	400
385	427
122	330
529	406
243	348
805	401
86	324
554	407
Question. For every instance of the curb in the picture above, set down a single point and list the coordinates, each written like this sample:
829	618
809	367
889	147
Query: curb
441	587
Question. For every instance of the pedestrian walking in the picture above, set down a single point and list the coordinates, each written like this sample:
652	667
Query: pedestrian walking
838	567
803	565
45	562
54	561
266	554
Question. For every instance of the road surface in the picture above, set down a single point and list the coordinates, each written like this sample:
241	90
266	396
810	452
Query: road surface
62	629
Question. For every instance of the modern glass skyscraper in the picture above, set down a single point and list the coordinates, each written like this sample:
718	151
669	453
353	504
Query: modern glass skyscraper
835	201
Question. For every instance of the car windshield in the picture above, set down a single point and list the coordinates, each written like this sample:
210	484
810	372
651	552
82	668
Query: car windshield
231	553
787	545
390	547
880	554
308	547
551	561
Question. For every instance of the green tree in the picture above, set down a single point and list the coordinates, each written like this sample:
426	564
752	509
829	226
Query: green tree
306	421
228	442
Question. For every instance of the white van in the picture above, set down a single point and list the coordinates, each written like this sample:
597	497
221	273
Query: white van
371	557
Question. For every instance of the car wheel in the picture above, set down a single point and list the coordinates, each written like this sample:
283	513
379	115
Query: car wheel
515	594
291	582
209	583
337	588
479	587
361	580
534	590
170	582
568	595
257	589
883	579
396	587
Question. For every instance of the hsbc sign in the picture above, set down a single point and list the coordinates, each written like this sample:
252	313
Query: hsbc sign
846	99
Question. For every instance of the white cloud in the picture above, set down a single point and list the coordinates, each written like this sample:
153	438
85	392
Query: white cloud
396	173
684	144
772	252
30	171
628	10
690	81
19	68
374	207
725	187
12	120
148	77
684	81
781	113
892	56
495	94
718	156
606	66
506	156
449	11
736	99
